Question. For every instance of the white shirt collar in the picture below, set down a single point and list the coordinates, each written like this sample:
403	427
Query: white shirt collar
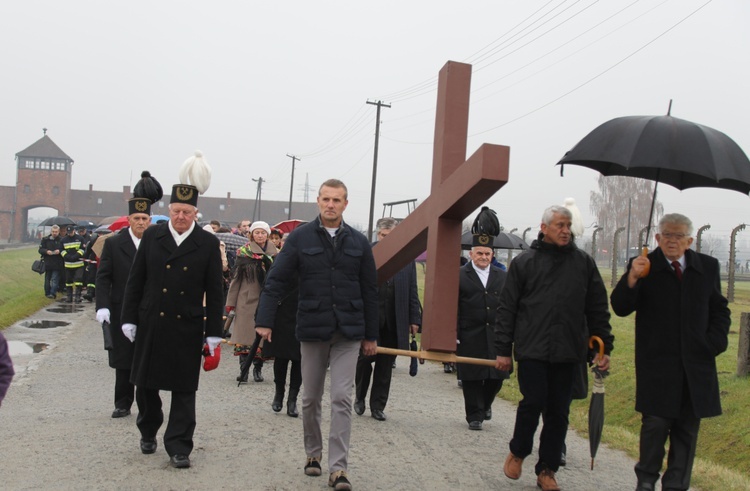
135	239
179	238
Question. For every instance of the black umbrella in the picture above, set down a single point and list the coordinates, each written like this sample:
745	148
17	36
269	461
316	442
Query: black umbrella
245	367
414	363
232	241
503	240
596	406
664	149
86	223
61	221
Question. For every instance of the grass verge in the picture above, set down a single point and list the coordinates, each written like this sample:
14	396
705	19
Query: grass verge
21	290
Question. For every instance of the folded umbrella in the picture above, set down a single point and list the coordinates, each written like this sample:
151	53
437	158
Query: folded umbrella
414	363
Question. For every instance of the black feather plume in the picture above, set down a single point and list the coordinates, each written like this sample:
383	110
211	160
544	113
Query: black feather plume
486	223
148	188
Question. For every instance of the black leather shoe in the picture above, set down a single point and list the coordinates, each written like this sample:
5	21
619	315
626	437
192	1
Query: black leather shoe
378	414
179	461
644	486
120	413
488	414
148	446
359	407
563	460
257	374
475	425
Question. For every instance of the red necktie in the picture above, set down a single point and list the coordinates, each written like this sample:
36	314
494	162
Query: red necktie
677	269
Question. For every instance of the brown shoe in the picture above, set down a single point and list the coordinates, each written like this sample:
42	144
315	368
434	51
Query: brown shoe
513	466
546	481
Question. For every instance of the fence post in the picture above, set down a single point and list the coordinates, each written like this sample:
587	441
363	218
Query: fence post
699	237
614	255
743	348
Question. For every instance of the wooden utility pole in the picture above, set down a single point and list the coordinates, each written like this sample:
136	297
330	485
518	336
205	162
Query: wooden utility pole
379	104
291	186
257	197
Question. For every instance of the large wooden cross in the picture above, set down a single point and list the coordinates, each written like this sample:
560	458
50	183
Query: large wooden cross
459	186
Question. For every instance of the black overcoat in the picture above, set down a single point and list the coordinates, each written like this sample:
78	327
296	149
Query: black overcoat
680	328
111	277
164	299
285	344
477	313
408	309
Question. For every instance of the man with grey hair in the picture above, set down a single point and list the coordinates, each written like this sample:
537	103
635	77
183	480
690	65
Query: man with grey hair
681	326
400	314
554	299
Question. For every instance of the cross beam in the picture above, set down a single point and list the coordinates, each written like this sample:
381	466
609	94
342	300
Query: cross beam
458	187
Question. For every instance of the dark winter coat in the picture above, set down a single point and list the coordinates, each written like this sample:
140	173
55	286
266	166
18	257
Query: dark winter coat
554	299
477	313
164	299
408	310
111	277
52	262
284	340
680	328
337	284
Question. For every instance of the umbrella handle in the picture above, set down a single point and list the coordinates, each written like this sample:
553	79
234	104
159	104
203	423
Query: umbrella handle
597	339
647	268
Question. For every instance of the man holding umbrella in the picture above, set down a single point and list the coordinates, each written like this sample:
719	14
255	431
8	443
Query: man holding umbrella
682	322
553	300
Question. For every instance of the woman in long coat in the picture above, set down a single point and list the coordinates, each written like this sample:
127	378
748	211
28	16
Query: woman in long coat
251	265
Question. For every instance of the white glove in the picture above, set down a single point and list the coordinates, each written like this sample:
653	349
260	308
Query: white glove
129	331
102	315
213	342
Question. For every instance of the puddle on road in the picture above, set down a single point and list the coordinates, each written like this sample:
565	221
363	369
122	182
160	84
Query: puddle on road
16	348
42	324
65	309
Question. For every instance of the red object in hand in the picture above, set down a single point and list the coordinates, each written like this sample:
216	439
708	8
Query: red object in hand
211	361
228	308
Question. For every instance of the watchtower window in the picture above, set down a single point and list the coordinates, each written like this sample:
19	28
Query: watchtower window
56	190
29	164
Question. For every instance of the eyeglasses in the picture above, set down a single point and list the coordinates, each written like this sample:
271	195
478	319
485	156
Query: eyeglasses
672	235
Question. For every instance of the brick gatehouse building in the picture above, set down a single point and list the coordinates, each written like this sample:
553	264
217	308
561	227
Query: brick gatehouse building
43	176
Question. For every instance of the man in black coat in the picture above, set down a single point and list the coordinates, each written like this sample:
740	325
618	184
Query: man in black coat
400	314
112	275
50	249
177	264
479	287
682	322
554	299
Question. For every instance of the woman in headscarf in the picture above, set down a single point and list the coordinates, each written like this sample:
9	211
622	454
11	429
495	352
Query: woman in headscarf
251	266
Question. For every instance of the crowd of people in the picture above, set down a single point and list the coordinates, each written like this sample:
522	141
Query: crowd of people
312	303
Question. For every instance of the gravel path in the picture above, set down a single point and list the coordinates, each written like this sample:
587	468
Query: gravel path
56	431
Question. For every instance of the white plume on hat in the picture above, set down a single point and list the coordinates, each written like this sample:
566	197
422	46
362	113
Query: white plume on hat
577	222
196	171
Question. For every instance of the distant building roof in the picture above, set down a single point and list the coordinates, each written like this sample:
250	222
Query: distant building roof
44	148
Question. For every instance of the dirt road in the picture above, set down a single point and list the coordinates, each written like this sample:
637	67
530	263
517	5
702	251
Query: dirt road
56	431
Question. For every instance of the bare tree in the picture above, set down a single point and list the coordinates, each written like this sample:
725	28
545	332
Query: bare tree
610	205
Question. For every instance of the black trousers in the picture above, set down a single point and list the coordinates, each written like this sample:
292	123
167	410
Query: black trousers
478	397
381	379
546	387
178	437
280	369
683	438
124	390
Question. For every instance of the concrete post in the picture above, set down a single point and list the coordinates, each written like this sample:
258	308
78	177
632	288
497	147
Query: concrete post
743	350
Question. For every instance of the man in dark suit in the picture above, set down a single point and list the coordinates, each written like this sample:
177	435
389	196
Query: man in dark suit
112	275
178	264
682	322
400	314
479	288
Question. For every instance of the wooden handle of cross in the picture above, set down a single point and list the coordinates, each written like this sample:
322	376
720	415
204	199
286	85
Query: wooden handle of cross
436	356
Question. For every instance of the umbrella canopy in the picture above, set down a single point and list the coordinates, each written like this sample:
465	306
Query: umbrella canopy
596	406
86	223
663	149
119	223
503	240
159	218
288	225
232	241
58	220
108	220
